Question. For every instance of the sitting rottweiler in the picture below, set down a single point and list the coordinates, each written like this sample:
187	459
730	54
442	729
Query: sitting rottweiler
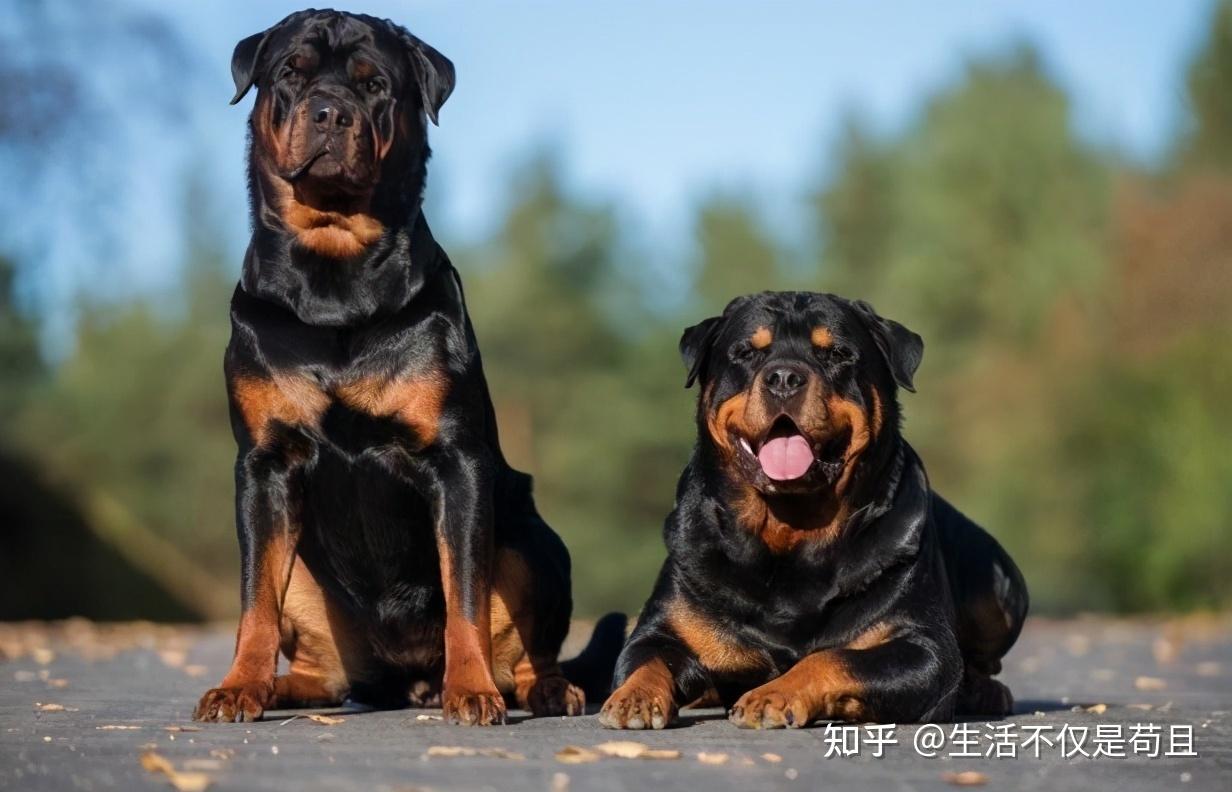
811	571
386	545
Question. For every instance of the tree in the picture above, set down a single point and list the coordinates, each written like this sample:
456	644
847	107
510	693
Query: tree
1208	142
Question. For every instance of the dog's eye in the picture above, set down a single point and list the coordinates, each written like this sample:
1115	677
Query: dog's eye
838	355
743	352
375	85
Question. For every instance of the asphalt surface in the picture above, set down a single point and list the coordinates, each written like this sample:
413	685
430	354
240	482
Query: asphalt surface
81	705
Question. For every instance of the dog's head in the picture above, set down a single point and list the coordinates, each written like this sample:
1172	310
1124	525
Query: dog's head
798	388
339	127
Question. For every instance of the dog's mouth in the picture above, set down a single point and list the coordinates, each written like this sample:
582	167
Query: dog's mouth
784	453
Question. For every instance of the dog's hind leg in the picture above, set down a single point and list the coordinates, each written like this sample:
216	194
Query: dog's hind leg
525	642
325	656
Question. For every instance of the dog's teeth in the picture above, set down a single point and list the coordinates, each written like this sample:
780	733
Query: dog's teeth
746	445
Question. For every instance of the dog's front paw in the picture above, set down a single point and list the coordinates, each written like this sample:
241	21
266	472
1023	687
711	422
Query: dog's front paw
769	707
473	708
241	703
636	707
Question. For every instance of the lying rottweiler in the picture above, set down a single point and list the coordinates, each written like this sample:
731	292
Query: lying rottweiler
811	571
386	546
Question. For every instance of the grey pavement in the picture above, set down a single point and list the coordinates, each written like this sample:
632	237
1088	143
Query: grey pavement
80	704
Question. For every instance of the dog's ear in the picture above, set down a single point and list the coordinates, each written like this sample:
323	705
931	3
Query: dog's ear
697	341
902	349
695	346
434	73
244	63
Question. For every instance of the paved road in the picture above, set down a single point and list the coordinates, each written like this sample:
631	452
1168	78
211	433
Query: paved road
81	704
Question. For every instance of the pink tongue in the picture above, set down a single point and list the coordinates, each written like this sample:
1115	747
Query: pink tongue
786	458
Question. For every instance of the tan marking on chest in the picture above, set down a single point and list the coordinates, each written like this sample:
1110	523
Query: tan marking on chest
783	528
415	401
291	400
333	234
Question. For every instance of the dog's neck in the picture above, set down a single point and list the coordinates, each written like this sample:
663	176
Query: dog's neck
361	264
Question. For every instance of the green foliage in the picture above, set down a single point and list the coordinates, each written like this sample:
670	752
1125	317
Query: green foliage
1073	396
1209	84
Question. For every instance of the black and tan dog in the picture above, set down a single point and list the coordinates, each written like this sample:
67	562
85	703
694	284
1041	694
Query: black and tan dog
386	545
811	571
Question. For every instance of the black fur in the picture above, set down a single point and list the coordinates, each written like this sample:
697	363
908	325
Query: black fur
904	559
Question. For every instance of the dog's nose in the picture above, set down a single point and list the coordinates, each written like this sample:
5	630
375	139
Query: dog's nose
784	381
326	114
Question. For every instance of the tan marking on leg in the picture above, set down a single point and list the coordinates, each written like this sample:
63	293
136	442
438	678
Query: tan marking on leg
327	654
645	700
819	686
248	688
470	696
714	647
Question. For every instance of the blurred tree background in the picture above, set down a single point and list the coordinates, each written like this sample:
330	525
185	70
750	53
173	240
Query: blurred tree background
1074	398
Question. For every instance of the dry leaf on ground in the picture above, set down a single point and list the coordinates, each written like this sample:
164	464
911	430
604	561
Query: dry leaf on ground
628	749
712	758
117	727
327	720
182	781
182	728
572	754
51	707
965	778
450	751
772	758
1097	709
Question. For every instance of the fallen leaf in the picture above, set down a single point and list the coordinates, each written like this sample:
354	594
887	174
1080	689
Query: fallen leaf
449	751
1150	683
1143	707
1208	668
117	727
773	758
49	707
327	720
965	778
572	754
182	728
625	749
182	781
202	764
712	758
428	717
1097	709
628	749
172	657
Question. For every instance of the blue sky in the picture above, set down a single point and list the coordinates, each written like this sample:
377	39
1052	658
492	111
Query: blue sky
653	105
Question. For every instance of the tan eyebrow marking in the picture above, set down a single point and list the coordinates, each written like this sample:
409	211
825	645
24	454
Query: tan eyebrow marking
821	337
761	338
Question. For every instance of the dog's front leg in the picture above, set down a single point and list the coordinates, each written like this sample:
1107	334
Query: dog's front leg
268	532
460	482
905	679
